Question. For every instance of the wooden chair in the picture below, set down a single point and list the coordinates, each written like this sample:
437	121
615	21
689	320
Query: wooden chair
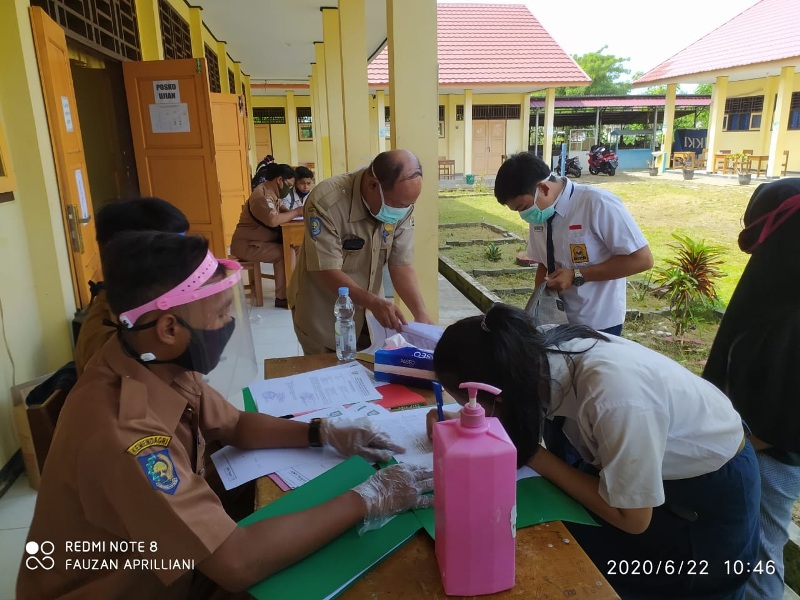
702	160
721	162
785	165
254	277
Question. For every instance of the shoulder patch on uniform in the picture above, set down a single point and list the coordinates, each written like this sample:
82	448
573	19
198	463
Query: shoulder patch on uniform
160	471
146	442
315	226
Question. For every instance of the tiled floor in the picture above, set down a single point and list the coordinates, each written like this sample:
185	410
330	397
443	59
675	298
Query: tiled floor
273	336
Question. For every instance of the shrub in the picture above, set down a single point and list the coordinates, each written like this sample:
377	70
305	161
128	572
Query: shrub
493	252
689	280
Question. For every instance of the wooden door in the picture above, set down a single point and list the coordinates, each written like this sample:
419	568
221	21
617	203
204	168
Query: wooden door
497	146
230	145
480	147
65	137
169	106
263	140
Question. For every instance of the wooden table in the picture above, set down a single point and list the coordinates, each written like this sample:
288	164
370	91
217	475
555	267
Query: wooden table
550	564
725	157
293	233
759	160
683	160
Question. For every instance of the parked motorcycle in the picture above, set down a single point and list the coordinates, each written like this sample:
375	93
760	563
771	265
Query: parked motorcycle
602	160
573	167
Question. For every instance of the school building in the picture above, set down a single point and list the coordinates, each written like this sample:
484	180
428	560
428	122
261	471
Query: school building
753	62
102	99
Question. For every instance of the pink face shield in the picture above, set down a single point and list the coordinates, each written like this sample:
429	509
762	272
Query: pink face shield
770	222
190	290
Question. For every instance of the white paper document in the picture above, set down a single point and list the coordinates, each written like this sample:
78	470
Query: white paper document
325	388
424	337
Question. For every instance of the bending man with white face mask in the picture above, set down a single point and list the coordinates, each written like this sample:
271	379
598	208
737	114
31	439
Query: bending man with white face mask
584	239
355	224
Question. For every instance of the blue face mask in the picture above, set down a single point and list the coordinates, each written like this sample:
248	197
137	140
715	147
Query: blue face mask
535	215
388	214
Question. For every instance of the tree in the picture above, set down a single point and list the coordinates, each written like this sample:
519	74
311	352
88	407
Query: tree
605	71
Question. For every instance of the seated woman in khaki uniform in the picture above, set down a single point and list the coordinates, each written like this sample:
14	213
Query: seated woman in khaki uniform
258	236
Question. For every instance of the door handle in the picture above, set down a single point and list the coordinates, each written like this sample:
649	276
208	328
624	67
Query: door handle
75	237
85	221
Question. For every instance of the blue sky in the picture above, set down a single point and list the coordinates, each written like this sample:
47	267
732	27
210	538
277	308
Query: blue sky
646	32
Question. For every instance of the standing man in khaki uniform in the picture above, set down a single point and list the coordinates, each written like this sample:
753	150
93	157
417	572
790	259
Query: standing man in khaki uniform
355	224
124	510
258	236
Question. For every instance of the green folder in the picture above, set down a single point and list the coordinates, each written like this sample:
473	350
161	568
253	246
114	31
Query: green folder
249	402
538	501
333	568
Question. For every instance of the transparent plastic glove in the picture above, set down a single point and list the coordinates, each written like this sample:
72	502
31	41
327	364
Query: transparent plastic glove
393	490
360	436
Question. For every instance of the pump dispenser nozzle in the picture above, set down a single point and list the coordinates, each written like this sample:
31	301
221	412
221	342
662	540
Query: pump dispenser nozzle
473	415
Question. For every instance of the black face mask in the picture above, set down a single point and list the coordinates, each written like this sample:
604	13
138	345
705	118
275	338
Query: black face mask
205	347
301	194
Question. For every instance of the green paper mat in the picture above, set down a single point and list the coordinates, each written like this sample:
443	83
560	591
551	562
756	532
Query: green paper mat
334	567
538	501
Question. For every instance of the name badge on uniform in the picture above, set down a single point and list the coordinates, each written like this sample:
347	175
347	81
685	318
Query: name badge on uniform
538	228
160	471
579	253
387	229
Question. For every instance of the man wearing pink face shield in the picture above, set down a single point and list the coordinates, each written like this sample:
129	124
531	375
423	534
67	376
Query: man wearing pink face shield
126	464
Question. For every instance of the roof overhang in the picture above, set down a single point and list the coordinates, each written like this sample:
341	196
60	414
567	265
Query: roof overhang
735	73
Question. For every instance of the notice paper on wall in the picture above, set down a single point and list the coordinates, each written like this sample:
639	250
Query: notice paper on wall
169	118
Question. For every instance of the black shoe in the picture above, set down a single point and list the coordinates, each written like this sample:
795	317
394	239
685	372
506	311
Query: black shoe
281	303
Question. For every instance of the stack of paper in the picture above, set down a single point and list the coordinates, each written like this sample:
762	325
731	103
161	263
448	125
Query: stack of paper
420	335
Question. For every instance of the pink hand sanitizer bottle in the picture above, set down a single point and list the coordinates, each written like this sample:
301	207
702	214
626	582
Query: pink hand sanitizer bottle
475	500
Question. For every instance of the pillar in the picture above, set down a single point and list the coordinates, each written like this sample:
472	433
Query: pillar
467	132
291	121
669	118
715	115
251	129
413	89
322	87
315	122
196	32
333	82
779	140
355	89
549	116
149	25
525	113
380	101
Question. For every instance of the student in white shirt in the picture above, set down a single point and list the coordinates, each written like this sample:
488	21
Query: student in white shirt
596	243
666	469
303	183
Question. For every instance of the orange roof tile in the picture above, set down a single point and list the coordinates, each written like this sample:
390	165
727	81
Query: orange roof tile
767	31
493	44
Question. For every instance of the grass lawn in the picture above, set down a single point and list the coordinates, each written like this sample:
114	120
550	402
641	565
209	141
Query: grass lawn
660	207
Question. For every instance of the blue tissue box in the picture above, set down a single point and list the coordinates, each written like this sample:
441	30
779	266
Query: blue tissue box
407	366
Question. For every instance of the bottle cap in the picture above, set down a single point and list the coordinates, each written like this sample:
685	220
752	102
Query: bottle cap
473	415
344	291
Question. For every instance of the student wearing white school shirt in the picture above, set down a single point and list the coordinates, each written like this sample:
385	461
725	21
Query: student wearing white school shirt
596	243
666	468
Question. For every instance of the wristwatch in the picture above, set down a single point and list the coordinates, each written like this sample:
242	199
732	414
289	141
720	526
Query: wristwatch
578	279
314	437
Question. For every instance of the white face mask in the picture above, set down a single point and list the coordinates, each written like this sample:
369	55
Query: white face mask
388	214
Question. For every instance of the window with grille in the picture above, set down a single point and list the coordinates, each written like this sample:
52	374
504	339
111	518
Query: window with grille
441	121
743	114
231	82
459	112
305	127
484	112
269	116
176	37
108	26
213	70
794	111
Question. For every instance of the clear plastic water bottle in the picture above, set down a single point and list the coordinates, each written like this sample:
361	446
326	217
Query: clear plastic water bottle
345	327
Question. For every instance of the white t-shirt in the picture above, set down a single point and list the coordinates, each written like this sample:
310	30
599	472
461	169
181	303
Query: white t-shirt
591	225
640	418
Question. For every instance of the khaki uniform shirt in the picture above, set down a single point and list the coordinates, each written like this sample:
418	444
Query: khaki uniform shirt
263	203
335	217
126	465
93	333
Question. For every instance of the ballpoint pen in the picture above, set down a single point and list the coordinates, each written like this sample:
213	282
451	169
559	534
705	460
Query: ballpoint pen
437	390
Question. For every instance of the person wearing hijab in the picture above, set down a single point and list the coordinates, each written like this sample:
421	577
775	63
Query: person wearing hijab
755	360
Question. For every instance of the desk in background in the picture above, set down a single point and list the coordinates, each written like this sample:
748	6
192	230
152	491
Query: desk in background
547	566
683	160
293	233
756	162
